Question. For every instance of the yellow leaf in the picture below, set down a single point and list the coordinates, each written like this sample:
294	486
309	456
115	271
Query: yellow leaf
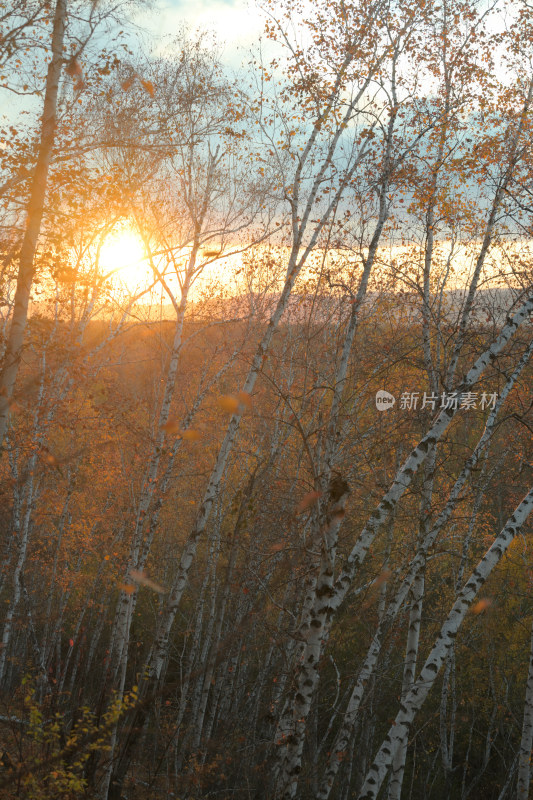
49	458
73	68
191	435
481	605
307	501
171	426
229	403
149	86
143	580
245	399
383	578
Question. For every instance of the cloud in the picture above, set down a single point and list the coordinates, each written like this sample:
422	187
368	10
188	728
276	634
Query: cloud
236	23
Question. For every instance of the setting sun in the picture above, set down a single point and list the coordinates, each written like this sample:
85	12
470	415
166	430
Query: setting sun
123	254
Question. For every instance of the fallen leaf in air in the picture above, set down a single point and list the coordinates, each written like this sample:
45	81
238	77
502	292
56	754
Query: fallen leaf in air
171	426
73	68
481	605
143	580
128	588
385	575
307	501
49	458
191	435
245	399
229	403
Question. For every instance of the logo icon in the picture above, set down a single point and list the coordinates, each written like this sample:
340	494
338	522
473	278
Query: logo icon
384	400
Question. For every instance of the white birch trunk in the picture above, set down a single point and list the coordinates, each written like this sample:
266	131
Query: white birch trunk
344	737
189	550
413	633
405	474
329	598
12	354
127	601
500	192
300	220
414	700
411	654
291	729
18	572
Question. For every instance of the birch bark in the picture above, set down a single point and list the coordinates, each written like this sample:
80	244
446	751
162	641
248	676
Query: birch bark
436	658
12	354
345	734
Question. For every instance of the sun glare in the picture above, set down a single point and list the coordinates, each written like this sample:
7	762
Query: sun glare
123	254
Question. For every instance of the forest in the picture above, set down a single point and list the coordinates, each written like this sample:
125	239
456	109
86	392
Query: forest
266	412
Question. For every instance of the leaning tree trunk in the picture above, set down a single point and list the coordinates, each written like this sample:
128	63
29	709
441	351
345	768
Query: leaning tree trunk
331	594
436	658
12	354
344	738
415	623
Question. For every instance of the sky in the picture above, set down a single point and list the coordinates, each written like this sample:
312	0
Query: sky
236	23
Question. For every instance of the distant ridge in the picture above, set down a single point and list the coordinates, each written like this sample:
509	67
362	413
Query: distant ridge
491	305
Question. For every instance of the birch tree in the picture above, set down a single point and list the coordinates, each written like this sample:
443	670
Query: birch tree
13	349
437	656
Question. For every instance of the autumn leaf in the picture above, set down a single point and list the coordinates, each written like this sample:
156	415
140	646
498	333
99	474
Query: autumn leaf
191	435
73	68
232	403
245	399
127	588
383	577
171	426
308	500
148	85
229	403
481	605
143	580
49	458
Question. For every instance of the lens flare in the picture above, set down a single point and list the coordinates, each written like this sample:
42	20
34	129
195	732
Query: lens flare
123	254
